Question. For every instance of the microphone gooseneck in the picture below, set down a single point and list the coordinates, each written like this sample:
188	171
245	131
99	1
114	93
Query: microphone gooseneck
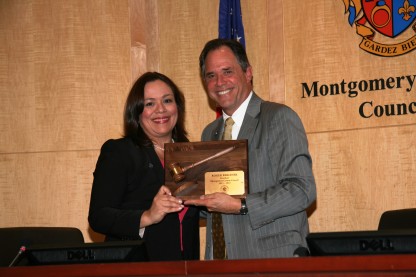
18	256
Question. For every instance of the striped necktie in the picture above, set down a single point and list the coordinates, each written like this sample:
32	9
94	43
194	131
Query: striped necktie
218	242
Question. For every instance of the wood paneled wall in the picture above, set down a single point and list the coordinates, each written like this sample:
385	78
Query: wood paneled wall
363	166
67	66
65	71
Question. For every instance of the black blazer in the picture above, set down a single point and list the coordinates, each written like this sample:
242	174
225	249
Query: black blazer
126	179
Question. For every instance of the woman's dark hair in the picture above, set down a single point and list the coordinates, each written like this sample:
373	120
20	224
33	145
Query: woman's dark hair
236	47
135	104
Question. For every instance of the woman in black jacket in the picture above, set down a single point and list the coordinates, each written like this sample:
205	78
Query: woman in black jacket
128	198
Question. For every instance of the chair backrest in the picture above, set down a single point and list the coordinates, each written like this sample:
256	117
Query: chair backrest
13	238
398	219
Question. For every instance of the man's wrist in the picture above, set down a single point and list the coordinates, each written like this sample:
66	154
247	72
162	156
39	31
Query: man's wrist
243	209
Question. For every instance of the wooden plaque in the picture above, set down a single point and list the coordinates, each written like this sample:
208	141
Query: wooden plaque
193	169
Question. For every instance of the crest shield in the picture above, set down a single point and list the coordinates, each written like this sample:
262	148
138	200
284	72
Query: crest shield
389	17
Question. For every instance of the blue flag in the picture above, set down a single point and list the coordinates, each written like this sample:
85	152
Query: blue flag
230	23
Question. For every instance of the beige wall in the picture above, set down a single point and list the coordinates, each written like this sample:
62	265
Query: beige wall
64	72
66	68
363	166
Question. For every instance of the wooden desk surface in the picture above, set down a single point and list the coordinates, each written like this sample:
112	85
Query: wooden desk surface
377	265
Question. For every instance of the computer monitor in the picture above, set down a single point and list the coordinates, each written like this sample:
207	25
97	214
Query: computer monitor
362	242
84	253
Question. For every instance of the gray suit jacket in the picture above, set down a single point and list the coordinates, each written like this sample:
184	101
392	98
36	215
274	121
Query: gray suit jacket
281	184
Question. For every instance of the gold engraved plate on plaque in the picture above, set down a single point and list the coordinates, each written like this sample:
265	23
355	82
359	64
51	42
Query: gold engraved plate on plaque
229	182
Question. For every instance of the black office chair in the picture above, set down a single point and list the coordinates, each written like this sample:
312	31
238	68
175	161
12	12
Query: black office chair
12	239
398	219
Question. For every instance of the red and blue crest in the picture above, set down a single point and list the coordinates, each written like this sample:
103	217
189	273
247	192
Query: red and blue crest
389	17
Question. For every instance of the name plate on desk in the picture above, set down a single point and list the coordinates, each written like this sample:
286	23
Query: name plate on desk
193	169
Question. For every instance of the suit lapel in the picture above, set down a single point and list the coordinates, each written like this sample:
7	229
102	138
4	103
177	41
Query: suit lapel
251	119
154	163
217	130
249	125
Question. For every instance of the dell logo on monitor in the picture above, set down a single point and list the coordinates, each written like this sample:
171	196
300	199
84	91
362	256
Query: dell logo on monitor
82	254
376	245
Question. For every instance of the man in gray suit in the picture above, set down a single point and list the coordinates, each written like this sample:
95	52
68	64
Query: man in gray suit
272	221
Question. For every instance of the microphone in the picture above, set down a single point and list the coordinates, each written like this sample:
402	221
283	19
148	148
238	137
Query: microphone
18	256
301	252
